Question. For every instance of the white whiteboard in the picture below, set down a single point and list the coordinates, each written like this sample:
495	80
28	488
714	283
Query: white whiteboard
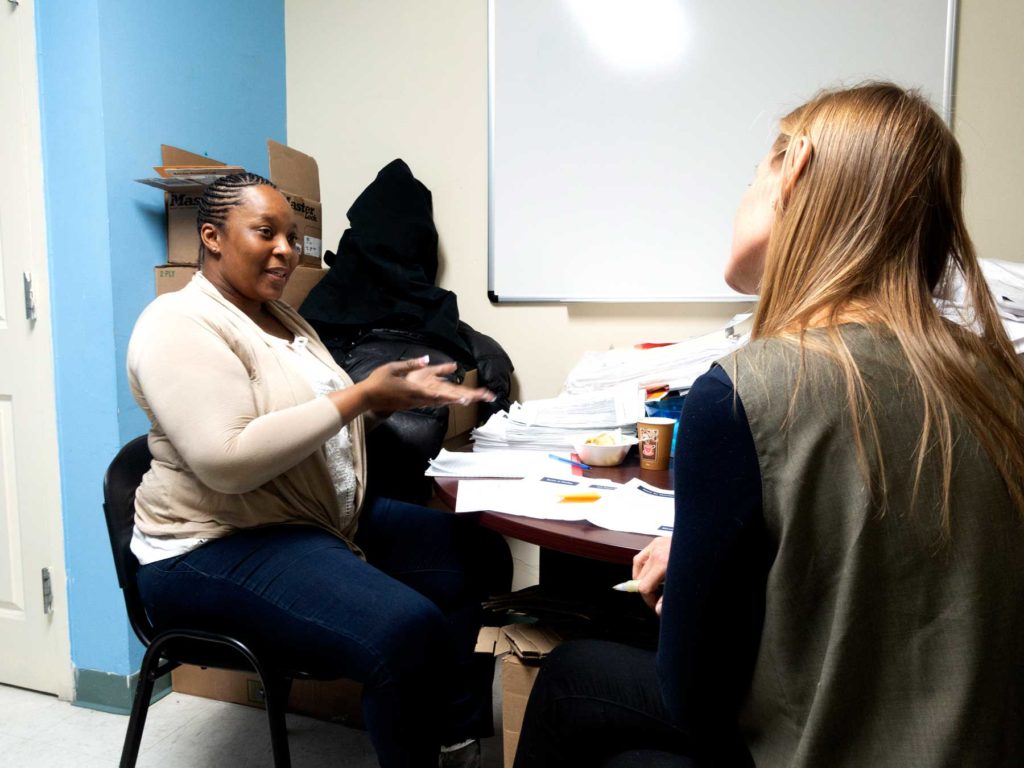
623	132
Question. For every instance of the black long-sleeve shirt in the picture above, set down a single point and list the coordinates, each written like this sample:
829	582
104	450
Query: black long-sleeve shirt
714	593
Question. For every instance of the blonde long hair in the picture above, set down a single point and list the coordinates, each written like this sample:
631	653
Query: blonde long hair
874	224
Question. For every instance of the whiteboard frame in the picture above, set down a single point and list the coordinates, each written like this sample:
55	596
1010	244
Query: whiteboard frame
952	16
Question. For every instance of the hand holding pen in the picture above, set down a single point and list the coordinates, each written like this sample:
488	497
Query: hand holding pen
649	567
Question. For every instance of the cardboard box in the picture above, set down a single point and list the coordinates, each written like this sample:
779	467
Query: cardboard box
530	642
172	277
524	647
182	235
462	418
298	177
183	177
517	681
301	282
334	700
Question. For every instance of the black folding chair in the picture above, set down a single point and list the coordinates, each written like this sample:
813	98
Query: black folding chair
169	648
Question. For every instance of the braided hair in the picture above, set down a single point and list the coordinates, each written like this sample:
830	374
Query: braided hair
220	197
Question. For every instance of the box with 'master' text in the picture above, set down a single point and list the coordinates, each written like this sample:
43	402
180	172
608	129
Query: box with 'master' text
185	175
298	177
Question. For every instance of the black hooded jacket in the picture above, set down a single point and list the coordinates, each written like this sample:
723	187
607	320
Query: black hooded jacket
382	276
378	303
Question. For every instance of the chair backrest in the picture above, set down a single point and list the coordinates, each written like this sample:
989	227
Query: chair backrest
123	476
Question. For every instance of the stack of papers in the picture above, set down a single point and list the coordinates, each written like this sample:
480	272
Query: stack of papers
609	407
1005	280
676	365
604	392
635	507
558	423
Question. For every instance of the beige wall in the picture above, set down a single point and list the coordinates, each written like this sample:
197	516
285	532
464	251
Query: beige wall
372	80
989	122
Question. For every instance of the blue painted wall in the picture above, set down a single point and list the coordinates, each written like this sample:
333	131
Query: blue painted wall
117	79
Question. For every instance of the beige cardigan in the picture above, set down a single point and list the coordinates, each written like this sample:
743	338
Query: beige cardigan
236	435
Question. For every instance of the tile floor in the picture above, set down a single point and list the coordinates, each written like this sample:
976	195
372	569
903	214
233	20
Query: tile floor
39	731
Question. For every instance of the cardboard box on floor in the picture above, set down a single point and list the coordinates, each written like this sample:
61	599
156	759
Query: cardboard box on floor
184	175
523	647
517	681
334	700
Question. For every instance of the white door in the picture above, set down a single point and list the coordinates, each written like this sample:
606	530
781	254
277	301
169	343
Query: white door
34	648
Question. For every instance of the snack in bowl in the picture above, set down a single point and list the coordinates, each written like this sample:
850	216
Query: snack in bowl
605	449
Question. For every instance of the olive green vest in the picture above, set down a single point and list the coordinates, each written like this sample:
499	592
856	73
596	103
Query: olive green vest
883	643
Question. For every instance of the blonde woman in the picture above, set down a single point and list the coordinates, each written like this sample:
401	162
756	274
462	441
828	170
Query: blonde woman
845	585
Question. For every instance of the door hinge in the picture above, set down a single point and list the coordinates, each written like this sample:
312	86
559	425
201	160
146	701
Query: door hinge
47	592
30	297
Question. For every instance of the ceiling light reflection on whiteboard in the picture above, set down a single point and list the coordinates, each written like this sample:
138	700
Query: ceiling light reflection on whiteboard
633	35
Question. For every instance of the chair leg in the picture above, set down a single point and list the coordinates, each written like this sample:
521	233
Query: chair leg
275	691
140	708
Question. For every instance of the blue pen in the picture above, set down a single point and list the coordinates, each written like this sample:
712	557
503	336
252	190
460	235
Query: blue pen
568	461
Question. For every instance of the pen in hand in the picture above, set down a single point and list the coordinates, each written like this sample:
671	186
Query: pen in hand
633	585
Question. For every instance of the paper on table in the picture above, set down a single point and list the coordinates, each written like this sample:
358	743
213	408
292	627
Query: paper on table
1005	281
538	497
507	463
638	507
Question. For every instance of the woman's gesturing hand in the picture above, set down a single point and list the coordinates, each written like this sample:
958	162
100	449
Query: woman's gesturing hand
414	384
649	567
403	385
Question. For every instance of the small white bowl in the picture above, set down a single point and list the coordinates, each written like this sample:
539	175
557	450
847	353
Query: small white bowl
604	455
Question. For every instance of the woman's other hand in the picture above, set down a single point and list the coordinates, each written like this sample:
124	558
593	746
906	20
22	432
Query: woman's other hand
649	567
403	385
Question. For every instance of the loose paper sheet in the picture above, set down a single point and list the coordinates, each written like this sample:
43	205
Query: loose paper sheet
538	497
638	507
509	463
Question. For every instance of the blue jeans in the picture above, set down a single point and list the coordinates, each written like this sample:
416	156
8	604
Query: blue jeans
404	623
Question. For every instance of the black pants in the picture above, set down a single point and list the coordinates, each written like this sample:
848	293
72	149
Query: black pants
598	703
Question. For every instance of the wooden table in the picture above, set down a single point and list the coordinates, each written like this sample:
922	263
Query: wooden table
581	539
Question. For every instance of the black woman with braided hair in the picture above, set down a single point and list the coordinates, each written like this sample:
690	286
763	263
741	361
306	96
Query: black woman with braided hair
253	517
